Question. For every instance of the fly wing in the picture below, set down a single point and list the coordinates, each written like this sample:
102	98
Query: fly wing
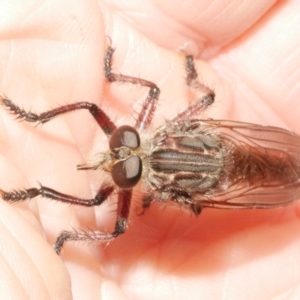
262	166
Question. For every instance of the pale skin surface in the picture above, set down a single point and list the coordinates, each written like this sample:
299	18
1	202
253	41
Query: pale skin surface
52	54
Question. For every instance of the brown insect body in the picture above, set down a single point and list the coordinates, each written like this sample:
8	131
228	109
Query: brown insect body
223	164
195	163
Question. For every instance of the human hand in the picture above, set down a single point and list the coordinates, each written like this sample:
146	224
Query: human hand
52	54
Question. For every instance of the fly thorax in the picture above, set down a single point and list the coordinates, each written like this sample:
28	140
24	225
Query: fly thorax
190	162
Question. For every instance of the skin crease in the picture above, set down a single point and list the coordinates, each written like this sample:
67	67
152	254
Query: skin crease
52	54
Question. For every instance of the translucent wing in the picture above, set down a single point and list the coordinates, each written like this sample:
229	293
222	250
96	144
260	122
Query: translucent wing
262	166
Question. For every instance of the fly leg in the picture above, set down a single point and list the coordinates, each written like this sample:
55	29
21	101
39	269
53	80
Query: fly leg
124	199
45	192
146	202
99	115
146	114
193	82
184	199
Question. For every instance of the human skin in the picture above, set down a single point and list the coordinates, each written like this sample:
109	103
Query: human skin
52	54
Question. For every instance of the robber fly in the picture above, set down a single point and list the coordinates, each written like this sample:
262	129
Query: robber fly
194	163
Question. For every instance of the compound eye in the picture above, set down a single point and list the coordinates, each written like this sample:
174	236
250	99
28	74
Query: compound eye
124	136
127	173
